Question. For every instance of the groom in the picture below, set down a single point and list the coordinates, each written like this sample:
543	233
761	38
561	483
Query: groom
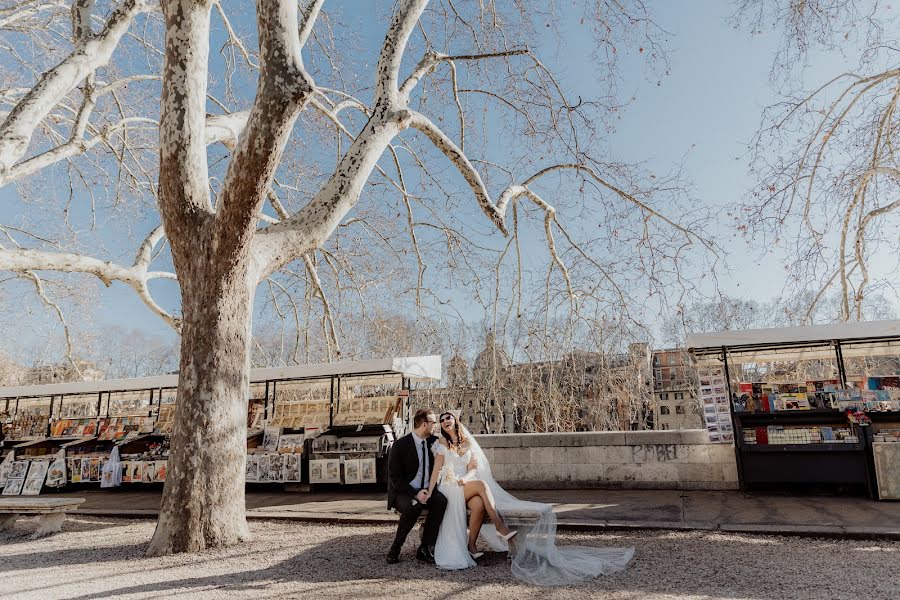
409	475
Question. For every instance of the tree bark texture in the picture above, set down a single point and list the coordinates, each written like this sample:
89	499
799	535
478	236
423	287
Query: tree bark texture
203	498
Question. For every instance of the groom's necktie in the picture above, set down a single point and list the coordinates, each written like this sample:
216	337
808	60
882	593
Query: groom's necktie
424	463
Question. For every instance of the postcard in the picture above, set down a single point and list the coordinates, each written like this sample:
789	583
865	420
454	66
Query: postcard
252	468
276	467
13	487
270	437
351	472
292	467
332	471
32	487
38	470
18	470
367	471
263	462
317	471
291	442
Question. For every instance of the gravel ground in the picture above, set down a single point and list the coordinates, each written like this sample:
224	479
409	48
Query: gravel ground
100	557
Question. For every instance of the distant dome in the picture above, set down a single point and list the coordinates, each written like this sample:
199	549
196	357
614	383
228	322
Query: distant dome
492	359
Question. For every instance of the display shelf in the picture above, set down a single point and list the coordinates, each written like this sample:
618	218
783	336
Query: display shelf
892	416
835	465
350	466
814	412
823	447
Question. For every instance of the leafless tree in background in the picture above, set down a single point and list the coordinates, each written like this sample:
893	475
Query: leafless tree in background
825	156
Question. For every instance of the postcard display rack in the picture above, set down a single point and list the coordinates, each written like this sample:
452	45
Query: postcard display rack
354	450
714	399
274	456
350	455
275	445
886	442
25	477
28	471
344	423
799	433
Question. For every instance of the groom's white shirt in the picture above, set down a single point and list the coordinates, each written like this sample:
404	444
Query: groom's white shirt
416	483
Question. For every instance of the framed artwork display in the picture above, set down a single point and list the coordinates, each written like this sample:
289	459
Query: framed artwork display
32	487
367	471
293	468
13	487
351	472
270	438
251	472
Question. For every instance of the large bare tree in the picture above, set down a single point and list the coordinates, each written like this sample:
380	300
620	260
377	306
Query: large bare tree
248	195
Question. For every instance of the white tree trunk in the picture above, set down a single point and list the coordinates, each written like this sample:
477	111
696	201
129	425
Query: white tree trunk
203	498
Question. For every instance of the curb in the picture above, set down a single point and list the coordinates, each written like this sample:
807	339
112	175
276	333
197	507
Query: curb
809	531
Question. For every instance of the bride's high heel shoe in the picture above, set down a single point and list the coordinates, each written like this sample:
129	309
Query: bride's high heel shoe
476	555
509	535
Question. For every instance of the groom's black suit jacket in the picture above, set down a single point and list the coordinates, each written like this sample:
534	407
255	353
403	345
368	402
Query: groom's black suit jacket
403	463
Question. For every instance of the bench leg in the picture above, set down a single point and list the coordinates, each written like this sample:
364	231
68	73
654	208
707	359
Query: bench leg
7	521
518	539
49	523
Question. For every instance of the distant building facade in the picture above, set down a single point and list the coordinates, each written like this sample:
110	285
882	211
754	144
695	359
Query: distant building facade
675	390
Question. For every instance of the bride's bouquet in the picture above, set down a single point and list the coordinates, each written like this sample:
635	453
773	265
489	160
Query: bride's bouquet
447	476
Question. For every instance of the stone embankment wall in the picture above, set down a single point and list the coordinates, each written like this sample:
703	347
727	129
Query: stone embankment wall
611	459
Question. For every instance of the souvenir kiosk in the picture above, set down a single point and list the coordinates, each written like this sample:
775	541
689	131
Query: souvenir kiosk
323	424
815	406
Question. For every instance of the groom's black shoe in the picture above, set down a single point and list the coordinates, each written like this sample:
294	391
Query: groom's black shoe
425	555
393	555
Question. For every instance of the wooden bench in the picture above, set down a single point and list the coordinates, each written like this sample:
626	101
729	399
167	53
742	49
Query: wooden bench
51	511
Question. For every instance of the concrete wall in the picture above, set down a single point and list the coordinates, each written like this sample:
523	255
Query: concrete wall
615	459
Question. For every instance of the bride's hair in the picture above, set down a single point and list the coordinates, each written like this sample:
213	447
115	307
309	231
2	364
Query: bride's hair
460	436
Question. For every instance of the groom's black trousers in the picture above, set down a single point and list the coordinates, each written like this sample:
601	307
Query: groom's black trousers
409	514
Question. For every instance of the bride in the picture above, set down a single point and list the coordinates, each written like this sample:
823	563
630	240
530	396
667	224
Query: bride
535	557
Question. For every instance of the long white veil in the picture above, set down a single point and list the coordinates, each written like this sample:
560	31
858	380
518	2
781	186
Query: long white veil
535	558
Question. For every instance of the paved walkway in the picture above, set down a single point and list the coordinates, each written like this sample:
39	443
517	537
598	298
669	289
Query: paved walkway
826	516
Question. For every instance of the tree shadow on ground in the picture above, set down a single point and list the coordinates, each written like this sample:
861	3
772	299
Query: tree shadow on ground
71	556
666	563
339	561
26	525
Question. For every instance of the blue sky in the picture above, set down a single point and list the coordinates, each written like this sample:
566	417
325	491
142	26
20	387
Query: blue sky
703	114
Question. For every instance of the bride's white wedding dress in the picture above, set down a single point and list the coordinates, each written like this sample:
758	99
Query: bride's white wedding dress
535	558
451	551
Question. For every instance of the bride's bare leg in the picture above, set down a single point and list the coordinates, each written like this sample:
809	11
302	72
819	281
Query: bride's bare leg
478	488
476	519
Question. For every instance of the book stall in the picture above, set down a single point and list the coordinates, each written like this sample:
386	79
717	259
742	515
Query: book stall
369	416
26	419
331	423
808	406
276	433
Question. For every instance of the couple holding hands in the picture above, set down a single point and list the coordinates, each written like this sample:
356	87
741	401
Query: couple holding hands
447	474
